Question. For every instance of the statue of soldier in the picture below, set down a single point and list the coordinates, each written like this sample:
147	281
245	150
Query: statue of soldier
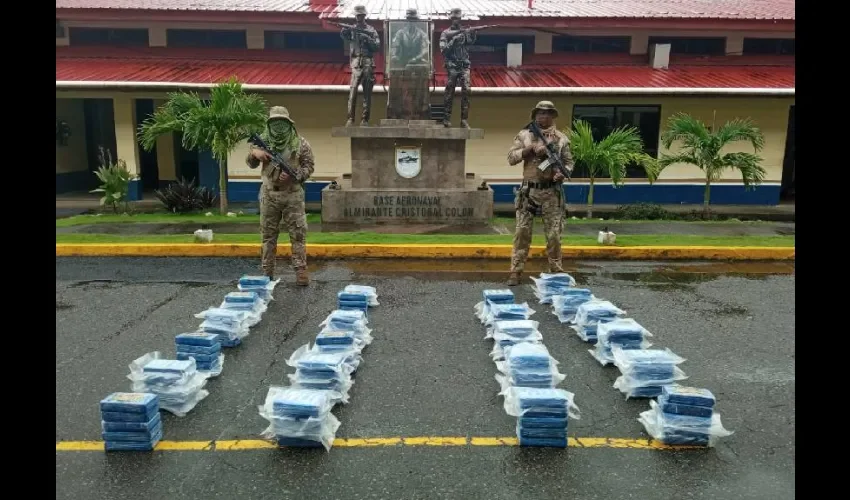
410	44
364	42
540	189
281	196
453	46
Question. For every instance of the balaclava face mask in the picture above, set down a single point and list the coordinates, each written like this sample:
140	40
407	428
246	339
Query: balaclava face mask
283	134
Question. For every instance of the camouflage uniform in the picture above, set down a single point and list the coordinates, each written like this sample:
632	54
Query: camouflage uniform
456	58
538	191
363	48
283	201
410	44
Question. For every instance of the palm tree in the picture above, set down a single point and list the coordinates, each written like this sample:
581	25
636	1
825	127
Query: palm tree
217	125
701	146
610	156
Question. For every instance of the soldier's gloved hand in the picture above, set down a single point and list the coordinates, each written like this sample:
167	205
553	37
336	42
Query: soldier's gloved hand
558	177
261	155
283	177
539	148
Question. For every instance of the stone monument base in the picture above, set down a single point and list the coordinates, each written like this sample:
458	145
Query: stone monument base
446	206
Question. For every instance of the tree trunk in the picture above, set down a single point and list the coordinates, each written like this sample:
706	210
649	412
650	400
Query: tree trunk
590	198
222	185
706	198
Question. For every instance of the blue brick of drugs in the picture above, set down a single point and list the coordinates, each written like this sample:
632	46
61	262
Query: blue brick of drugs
134	445
137	436
201	339
543	443
173	366
199	349
130	402
199	358
106	426
251	280
298	443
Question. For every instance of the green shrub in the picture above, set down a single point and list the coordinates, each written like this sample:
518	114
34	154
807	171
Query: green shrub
114	180
185	196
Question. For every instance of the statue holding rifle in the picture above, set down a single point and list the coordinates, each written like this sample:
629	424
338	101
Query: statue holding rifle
454	44
364	42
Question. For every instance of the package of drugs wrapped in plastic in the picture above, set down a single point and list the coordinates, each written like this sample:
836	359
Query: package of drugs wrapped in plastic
624	333
532	402
682	400
590	314
565	305
499	296
498	352
228	323
548	285
331	340
509	332
300	417
323	371
370	292
204	348
646	371
488	313
249	302
682	430
178	383
528	365
346	320
261	285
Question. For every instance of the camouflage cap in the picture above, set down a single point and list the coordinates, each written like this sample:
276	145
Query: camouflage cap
455	14
547	105
411	14
360	10
280	113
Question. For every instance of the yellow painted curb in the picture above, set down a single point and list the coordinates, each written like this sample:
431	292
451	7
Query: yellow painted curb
343	251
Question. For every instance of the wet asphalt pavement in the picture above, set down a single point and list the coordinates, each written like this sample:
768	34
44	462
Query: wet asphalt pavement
428	373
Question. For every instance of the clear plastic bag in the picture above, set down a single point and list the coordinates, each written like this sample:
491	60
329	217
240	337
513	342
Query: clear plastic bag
208	369
625	333
299	417
548	285
346	320
528	365
678	430
497	312
498	352
370	292
506	333
533	402
646	371
314	361
528	357
254	310
565	305
178	384
499	296
592	311
680	396
261	285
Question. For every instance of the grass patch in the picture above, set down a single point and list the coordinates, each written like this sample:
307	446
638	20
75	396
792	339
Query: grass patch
312	218
498	239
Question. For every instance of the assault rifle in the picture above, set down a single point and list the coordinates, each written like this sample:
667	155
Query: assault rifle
451	34
277	160
353	27
553	158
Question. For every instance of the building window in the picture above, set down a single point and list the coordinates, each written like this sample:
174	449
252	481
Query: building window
604	119
218	39
692	46
108	36
279	40
499	43
592	44
769	46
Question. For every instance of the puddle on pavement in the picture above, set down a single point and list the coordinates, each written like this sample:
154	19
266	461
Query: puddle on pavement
661	273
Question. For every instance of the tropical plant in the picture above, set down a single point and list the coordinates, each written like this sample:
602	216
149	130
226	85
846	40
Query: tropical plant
217	125
185	196
114	180
702	147
610	156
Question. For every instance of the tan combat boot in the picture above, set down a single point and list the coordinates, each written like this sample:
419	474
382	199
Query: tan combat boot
301	277
514	279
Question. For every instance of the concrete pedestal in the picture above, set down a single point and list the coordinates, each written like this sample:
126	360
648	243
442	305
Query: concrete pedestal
408	172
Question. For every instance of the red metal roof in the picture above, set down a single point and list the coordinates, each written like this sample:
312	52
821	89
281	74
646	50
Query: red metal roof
269	69
394	9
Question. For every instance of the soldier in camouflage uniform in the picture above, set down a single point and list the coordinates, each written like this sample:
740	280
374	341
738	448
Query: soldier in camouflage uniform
540	189
364	44
282	197
453	46
409	44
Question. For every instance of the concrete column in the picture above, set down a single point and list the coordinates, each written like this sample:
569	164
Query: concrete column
734	45
639	45
542	43
157	36
255	38
125	142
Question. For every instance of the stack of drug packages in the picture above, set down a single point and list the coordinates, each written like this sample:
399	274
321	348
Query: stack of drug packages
684	416
178	383
130	421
